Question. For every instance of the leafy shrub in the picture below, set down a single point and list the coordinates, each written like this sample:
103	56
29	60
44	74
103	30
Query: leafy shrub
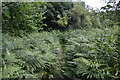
34	56
57	15
77	54
92	54
22	17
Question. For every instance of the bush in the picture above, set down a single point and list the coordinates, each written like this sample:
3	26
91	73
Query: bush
91	54
34	56
77	54
19	18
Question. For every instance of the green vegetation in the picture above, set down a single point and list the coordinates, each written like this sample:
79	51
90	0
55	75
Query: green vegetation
59	41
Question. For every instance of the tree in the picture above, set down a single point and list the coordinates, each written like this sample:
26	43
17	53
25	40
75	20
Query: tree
20	18
56	14
80	16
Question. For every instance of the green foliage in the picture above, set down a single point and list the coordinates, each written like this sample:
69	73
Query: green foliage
92	54
57	15
34	56
63	21
80	16
80	54
9	65
77	54
111	16
20	18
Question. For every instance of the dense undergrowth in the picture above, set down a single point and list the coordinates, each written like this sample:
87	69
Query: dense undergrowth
60	41
88	54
